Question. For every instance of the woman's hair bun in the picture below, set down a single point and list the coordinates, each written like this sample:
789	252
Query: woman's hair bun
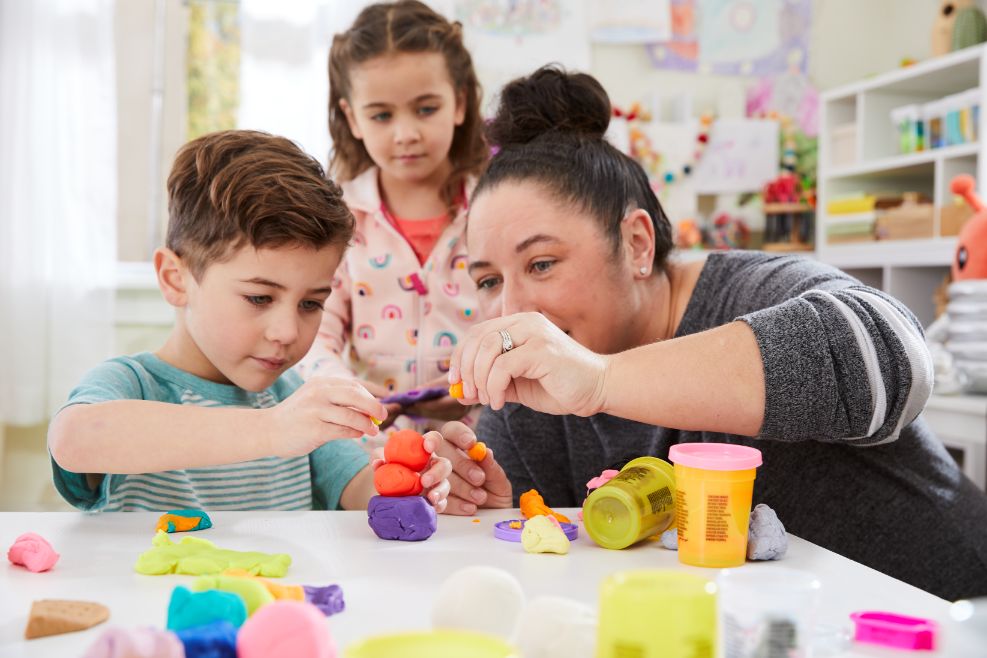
550	99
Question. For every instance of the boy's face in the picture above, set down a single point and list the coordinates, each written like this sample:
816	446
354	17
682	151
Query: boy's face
254	316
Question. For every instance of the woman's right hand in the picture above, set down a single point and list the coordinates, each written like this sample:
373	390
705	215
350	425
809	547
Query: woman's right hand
546	370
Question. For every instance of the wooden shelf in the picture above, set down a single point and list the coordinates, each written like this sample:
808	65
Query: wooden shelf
785	208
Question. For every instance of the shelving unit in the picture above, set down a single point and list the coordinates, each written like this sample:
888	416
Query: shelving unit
911	270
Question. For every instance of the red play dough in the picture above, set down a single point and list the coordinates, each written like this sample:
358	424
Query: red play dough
397	480
407	447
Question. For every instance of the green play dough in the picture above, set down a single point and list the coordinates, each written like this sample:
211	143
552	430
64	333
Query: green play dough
200	557
253	593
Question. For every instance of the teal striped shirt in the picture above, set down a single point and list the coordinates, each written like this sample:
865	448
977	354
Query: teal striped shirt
309	482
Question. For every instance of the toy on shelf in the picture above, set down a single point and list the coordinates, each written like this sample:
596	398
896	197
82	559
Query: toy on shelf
959	24
970	259
398	512
788	218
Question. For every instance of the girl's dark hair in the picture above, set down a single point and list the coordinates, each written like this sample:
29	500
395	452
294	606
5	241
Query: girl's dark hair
549	127
407	26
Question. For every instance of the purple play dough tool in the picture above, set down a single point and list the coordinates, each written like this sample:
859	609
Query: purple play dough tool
328	599
417	395
503	530
406	518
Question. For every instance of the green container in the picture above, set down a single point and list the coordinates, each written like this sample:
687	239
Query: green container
657	614
637	503
432	644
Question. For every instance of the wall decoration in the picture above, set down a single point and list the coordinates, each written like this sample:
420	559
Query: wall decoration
630	21
736	37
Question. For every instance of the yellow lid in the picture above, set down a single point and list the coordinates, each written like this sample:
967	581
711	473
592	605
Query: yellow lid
432	644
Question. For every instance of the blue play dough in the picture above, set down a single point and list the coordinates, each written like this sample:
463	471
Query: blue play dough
216	640
189	609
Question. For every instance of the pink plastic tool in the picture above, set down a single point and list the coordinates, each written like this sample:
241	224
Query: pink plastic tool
891	630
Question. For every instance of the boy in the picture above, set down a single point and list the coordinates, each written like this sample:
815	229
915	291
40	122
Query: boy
214	419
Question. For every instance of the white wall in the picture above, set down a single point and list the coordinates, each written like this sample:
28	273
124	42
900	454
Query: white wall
850	39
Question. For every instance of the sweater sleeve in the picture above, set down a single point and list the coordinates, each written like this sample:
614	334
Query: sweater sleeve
842	362
325	357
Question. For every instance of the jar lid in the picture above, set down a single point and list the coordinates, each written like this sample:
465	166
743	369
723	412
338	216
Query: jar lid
715	456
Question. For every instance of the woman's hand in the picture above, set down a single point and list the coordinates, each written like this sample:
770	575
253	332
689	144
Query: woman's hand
472	484
444	408
545	370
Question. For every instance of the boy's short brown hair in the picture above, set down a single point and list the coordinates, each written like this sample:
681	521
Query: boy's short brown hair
235	188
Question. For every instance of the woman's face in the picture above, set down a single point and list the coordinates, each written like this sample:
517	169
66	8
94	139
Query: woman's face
530	252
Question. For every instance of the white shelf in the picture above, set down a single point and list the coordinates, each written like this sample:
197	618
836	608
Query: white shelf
904	164
937	76
935	252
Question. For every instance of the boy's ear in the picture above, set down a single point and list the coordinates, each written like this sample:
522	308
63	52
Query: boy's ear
350	118
460	115
172	276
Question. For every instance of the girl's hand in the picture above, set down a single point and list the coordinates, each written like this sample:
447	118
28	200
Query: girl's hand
445	408
546	370
435	477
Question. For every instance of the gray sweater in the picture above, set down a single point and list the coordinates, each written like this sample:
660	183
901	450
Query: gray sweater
846	463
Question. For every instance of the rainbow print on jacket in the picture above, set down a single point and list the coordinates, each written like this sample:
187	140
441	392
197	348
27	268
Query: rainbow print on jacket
391	312
445	339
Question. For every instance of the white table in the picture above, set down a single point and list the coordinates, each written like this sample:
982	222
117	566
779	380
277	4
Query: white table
388	586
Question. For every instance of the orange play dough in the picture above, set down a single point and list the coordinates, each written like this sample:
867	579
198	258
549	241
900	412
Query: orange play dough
397	480
407	447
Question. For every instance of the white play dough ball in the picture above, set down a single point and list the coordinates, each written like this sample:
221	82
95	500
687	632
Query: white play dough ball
556	627
478	598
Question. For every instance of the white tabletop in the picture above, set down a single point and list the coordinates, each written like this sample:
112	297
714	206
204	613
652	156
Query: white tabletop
388	585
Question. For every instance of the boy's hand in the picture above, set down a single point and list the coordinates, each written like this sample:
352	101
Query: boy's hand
435	477
322	409
472	484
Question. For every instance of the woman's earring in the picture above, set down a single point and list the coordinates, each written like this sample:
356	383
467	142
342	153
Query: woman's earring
643	271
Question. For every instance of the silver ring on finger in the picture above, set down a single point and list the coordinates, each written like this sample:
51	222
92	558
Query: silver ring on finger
506	344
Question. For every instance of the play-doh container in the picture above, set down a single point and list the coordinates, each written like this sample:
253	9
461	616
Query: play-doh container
636	503
656	613
714	486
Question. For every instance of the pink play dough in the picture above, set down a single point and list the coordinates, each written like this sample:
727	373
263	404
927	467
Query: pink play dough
136	643
32	551
288	629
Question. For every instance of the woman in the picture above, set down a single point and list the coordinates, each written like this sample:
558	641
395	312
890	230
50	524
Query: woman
603	350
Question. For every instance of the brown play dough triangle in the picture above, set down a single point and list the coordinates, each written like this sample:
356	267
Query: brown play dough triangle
55	616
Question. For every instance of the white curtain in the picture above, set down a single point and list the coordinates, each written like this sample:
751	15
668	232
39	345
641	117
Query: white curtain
58	168
284	51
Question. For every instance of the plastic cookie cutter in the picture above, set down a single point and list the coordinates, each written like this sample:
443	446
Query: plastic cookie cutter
893	630
511	530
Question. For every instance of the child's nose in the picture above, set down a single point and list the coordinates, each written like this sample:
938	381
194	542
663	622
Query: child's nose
283	329
406	130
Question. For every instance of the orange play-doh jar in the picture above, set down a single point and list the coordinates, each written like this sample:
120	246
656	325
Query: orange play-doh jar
714	486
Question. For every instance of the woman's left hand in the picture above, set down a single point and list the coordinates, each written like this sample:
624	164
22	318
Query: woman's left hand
544	369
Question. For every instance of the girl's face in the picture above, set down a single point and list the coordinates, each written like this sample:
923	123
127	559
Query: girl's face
530	252
404	109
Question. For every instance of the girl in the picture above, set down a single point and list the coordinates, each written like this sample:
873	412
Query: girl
408	141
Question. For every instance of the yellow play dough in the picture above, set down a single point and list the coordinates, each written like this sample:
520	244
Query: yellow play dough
200	557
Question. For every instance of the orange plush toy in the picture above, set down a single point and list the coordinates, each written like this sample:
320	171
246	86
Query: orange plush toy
970	260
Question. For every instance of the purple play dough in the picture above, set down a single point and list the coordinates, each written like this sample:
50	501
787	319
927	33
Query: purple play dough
407	518
328	599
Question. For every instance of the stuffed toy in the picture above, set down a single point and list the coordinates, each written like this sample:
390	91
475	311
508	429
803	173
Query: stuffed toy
959	24
970	260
